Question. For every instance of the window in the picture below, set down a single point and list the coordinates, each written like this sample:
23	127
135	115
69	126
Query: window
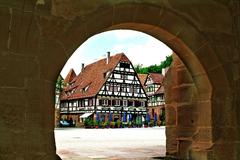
116	88
142	103
137	103
131	89
105	102
111	87
117	102
130	103
106	74
135	89
90	102
124	76
124	65
123	88
75	103
65	104
80	103
73	90
86	102
125	103
85	88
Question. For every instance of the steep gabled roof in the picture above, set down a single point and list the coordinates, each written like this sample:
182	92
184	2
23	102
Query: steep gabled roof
70	76
157	78
142	78
160	90
90	80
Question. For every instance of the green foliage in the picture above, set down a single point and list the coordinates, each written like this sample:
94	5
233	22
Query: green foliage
163	118
88	123
154	68
139	121
112	124
60	84
151	123
119	123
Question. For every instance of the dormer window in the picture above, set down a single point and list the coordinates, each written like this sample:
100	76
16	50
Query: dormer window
85	88
106	74
73	90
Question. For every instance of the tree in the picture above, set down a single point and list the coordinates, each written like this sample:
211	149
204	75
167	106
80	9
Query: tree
154	68
60	84
59	88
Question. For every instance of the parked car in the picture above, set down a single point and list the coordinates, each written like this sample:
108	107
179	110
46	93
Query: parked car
64	123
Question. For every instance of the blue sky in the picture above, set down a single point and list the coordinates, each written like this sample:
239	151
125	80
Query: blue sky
139	47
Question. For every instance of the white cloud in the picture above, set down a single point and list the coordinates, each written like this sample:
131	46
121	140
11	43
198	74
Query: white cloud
149	53
125	34
140	49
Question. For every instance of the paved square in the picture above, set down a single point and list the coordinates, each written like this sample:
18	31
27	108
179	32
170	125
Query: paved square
114	144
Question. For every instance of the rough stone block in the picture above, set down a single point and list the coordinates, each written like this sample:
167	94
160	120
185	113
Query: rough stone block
123	13
204	109
185	132
183	93
183	76
187	115
146	18
170	115
171	141
203	134
184	147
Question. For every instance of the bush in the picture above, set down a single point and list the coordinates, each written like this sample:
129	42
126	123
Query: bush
112	124
119	124
88	123
151	123
96	123
106	124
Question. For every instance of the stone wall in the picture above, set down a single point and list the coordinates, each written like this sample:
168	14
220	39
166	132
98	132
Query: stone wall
189	134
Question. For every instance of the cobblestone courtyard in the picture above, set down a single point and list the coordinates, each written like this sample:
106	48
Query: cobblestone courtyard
126	143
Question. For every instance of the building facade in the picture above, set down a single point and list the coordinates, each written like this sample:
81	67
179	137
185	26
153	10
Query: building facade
108	87
153	85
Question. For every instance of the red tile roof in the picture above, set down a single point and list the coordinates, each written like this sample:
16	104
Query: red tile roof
157	78
143	78
92	77
160	90
70	76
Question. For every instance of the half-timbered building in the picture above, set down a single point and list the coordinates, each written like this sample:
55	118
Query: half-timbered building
153	85
109	86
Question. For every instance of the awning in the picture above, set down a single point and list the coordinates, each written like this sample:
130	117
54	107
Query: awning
85	115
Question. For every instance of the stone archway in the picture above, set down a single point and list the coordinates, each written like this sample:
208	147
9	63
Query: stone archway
32	60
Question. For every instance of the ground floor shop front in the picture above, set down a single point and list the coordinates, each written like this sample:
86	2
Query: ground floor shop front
111	119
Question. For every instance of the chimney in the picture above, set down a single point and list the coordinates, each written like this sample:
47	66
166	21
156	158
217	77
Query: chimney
82	67
163	71
108	57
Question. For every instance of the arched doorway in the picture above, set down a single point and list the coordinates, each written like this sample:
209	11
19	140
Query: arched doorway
190	140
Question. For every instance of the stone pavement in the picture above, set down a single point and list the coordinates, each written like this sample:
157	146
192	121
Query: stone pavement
111	144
